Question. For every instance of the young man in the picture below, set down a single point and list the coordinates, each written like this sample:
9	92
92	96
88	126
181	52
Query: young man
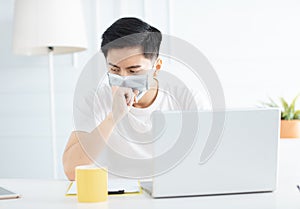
131	48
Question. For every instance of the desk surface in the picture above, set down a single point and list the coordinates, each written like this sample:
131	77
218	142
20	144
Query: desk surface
51	193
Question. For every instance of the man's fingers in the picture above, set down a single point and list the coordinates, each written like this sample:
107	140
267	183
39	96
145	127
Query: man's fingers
131	100
129	95
128	98
136	92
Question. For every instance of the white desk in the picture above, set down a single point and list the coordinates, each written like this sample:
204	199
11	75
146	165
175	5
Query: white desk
43	194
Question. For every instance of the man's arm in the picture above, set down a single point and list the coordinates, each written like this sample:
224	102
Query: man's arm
74	154
71	160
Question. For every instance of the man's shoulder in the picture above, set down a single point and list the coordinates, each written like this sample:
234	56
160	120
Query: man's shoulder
187	97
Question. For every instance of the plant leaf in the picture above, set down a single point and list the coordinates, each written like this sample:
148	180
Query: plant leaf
297	114
292	106
267	104
290	116
273	103
284	104
284	115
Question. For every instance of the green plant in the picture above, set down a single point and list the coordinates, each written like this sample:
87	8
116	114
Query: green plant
288	112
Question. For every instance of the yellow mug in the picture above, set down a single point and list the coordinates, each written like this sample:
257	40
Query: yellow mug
91	183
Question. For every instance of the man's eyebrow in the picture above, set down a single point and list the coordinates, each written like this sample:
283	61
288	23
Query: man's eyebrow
133	66
116	66
127	68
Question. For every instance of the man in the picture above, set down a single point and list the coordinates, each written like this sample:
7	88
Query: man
131	48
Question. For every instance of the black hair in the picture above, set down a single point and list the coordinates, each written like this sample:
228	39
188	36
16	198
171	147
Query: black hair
132	32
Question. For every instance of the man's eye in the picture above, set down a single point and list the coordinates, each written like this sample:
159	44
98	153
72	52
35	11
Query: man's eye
133	71
113	69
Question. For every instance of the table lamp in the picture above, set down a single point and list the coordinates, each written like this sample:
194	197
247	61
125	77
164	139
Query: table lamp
48	27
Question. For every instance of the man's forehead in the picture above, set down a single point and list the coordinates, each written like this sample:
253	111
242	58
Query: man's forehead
120	54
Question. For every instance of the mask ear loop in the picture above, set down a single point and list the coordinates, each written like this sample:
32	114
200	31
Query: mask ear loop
155	76
157	82
157	85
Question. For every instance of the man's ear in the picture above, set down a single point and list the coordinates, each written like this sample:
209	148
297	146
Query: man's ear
158	64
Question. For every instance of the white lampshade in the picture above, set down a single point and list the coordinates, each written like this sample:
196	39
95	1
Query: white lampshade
39	24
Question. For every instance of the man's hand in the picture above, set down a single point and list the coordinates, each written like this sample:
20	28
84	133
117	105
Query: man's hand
123	99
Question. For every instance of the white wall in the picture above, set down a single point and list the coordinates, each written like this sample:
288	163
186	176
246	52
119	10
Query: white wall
25	142
253	46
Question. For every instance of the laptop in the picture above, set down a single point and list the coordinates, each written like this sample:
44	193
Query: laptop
243	159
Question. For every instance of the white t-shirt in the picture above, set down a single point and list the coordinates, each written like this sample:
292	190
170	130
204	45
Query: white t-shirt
92	109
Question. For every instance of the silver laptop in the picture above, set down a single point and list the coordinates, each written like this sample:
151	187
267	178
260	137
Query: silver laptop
243	159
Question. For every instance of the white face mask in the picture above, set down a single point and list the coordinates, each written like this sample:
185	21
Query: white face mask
135	82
